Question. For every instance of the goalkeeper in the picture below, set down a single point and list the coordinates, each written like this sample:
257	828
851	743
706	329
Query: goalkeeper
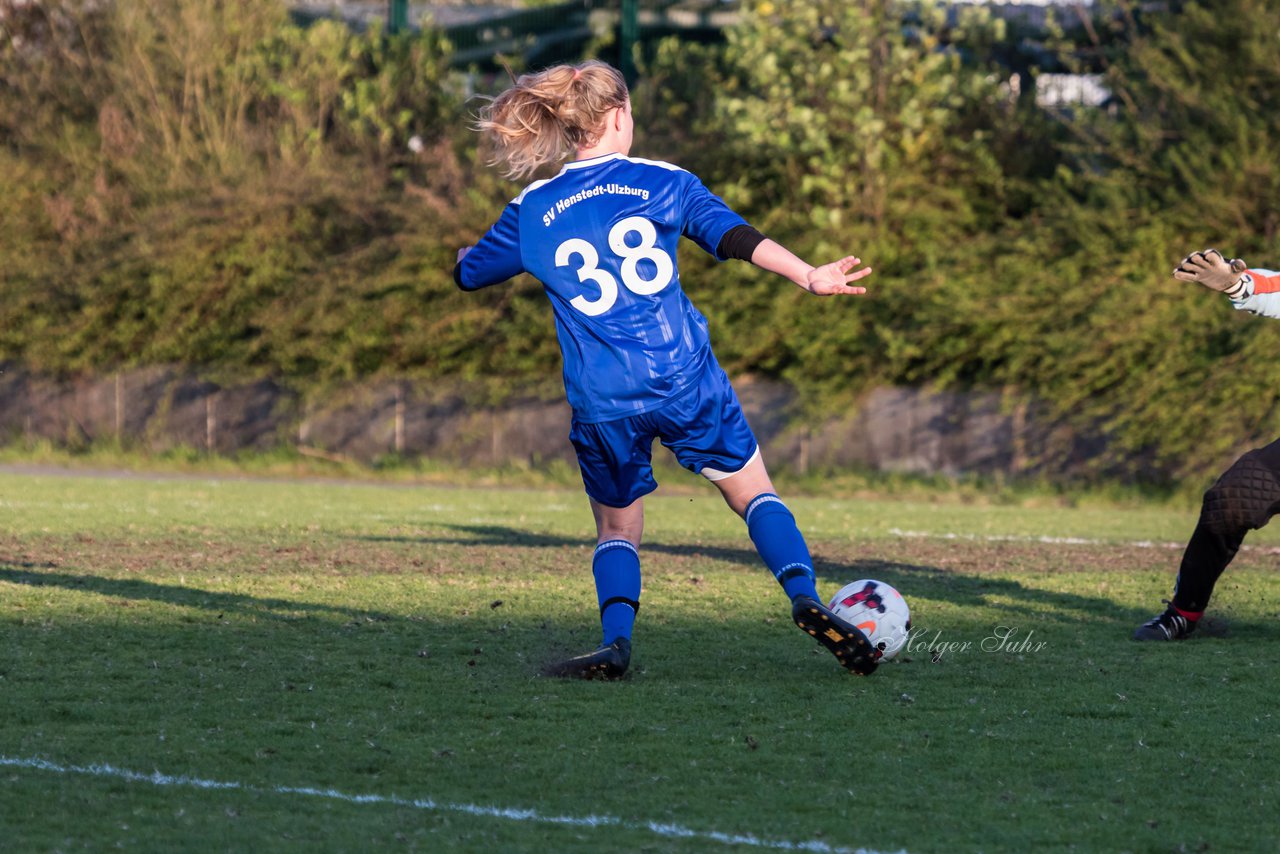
1247	494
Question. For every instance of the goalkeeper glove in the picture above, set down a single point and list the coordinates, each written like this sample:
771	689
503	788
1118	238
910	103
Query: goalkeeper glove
1210	269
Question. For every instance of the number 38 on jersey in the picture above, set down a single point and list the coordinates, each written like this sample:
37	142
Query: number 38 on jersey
632	279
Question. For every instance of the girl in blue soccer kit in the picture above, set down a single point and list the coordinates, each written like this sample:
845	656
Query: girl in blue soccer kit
601	236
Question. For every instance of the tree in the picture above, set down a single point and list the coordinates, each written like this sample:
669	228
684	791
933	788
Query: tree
863	119
856	126
1186	156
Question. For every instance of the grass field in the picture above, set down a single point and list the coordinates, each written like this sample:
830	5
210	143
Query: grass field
193	663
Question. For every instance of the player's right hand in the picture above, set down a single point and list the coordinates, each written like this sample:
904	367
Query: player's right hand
1210	269
835	278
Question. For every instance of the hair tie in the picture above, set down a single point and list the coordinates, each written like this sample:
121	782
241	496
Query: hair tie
577	72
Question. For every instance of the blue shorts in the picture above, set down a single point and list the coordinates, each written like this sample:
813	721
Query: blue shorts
704	427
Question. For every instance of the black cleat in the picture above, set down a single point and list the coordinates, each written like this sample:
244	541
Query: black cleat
607	662
846	641
1166	627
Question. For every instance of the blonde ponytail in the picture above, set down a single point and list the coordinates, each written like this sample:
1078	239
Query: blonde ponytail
549	115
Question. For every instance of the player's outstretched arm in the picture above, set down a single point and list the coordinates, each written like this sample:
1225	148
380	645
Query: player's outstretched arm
826	280
1210	269
1253	290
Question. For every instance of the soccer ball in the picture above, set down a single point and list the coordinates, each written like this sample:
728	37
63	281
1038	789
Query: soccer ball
878	610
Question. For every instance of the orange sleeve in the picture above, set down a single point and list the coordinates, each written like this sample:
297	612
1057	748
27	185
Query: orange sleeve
1265	284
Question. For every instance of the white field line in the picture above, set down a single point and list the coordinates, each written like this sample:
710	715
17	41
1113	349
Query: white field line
672	831
1068	541
1023	538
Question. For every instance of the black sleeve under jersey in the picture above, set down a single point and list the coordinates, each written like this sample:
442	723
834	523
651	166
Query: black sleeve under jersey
739	242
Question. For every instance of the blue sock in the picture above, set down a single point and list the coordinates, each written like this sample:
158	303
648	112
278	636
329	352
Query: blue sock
781	545
616	565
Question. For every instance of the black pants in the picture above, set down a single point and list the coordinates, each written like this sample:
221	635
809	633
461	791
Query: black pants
1244	498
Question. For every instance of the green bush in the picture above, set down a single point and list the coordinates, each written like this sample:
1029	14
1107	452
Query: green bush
204	183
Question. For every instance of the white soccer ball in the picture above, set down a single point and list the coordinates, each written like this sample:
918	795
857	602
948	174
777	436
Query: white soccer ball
878	610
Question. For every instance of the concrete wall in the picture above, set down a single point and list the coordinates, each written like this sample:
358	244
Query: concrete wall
891	429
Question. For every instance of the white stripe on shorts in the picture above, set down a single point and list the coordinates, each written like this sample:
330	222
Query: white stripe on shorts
715	474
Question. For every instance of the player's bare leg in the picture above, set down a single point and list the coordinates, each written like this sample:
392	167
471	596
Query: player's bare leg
741	487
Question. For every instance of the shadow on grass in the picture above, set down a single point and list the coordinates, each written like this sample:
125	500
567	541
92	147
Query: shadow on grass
499	535
41	575
1010	596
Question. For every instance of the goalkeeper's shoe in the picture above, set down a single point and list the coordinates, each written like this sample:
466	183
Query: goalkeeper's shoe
845	641
608	662
1165	627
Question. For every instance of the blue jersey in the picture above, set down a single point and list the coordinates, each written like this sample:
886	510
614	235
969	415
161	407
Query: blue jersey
601	236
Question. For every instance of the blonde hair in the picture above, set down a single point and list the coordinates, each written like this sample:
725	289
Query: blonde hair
550	114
